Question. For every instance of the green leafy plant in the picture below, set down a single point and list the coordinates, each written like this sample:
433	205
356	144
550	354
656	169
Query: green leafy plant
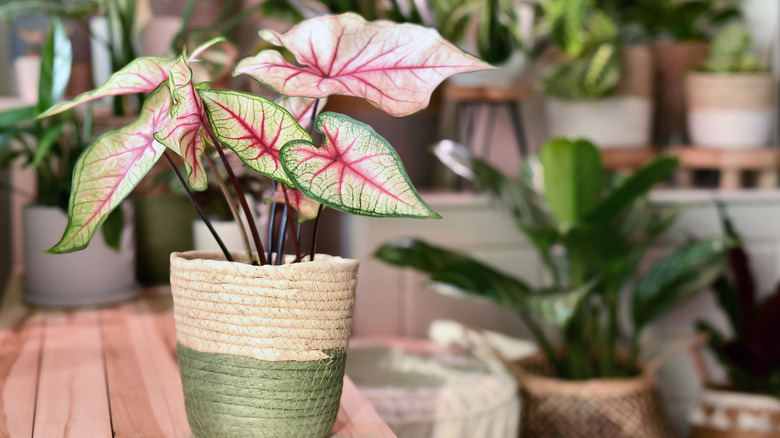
588	41
393	66
678	20
730	52
50	147
751	357
591	232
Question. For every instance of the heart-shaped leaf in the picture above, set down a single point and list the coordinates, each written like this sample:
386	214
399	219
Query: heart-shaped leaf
301	108
110	168
253	127
307	208
394	66
186	135
139	76
355	170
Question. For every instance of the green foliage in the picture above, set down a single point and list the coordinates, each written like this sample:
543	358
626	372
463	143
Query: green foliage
730	52
591	230
689	20
589	39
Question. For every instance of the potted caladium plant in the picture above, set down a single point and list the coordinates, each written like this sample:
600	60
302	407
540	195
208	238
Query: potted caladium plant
591	232
261	337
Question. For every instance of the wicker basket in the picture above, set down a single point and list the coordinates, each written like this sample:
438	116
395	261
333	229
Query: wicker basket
607	408
262	349
721	413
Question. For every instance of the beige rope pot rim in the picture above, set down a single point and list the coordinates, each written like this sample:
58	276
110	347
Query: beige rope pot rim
216	260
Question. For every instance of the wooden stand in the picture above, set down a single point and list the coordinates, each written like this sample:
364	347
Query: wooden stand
626	159
459	117
731	163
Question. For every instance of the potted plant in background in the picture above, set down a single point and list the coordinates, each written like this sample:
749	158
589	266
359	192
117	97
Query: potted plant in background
103	273
596	85
747	404
730	99
591	233
681	31
262	343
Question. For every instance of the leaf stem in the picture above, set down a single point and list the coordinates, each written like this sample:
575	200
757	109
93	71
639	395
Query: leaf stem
280	238
541	338
292	227
240	194
271	222
237	217
316	230
310	128
197	207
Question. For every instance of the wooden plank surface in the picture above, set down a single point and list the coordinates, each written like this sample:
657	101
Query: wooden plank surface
72	399
357	418
143	378
20	350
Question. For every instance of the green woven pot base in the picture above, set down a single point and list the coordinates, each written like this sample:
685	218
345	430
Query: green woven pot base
237	396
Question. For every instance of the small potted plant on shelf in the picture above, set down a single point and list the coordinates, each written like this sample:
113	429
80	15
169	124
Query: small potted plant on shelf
680	31
748	405
103	273
597	85
262	336
591	233
731	98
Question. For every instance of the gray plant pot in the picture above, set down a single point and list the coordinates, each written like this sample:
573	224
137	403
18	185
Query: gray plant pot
94	276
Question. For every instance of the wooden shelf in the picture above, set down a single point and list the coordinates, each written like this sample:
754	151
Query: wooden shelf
731	163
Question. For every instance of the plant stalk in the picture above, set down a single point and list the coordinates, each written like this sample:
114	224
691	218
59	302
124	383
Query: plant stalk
316	231
541	338
280	237
292	227
271	222
197	207
240	194
237	217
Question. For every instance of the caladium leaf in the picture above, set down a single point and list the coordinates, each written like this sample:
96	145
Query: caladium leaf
307	208
394	66
139	76
205	46
110	168
254	128
355	170
301	108
186	134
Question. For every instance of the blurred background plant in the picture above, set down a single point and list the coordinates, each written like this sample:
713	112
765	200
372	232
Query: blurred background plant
751	357
731	52
592	231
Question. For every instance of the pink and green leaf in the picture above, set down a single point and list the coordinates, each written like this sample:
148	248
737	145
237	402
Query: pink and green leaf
205	46
307	208
253	127
394	66
355	171
110	168
186	133
139	76
301	108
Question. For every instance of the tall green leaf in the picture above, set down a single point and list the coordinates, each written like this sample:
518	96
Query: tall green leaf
573	178
632	188
680	275
56	60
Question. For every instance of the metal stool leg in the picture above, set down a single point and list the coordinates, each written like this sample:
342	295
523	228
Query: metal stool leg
490	126
517	117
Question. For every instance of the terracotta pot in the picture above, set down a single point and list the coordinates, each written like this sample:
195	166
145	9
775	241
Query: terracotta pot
262	349
673	60
722	413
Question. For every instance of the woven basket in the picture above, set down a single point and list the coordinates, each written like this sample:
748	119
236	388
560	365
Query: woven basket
262	349
729	414
729	91
608	408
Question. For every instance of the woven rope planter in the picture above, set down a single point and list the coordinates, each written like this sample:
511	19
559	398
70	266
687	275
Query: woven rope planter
615	408
721	413
262	349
